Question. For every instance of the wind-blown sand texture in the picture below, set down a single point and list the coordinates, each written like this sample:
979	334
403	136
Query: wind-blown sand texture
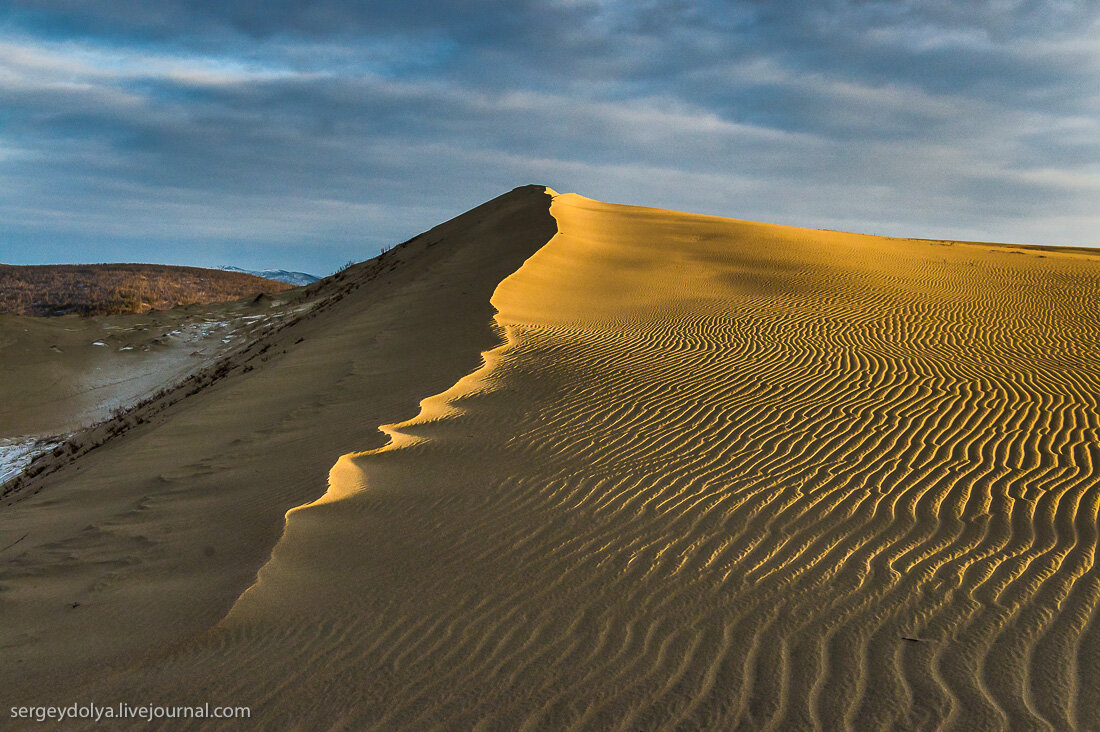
716	474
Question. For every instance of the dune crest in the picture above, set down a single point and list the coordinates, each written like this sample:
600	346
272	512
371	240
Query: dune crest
716	474
145	541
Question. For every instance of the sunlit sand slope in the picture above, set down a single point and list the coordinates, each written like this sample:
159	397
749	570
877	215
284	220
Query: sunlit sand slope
718	474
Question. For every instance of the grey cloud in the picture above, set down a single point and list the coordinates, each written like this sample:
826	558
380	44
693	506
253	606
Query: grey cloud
331	126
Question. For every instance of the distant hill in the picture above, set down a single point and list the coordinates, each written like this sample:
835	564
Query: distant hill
293	278
108	289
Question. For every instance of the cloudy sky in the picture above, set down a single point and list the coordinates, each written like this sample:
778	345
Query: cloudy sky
303	135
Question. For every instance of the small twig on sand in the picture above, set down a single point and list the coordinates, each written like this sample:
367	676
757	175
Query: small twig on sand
9	546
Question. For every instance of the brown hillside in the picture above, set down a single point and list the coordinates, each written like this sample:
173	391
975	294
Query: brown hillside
110	289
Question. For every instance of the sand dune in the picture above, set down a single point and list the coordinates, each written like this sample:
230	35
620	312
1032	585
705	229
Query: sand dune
715	474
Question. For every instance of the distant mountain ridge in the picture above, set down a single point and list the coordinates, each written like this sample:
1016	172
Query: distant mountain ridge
109	289
280	275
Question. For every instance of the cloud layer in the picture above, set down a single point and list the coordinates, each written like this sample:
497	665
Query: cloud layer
304	135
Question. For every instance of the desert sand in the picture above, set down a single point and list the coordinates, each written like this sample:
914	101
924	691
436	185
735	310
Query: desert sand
635	469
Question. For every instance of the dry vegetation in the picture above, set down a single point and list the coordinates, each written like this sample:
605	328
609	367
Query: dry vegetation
108	289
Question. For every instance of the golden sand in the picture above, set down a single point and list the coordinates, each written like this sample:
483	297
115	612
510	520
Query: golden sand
716	474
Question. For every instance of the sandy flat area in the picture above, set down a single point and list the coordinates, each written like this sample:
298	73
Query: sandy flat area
59	374
666	471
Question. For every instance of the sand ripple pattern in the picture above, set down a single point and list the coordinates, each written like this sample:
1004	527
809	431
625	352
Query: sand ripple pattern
720	475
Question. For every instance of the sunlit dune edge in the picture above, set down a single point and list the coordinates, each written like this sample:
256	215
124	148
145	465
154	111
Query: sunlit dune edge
146	539
713	474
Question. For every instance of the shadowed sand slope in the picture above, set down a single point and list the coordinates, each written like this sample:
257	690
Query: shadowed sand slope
717	474
150	538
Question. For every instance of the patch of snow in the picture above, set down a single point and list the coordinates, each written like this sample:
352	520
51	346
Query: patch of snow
98	343
291	278
16	453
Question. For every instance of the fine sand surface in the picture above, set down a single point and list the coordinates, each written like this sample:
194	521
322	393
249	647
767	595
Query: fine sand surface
714	474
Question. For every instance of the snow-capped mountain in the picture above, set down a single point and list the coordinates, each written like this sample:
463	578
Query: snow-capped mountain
293	278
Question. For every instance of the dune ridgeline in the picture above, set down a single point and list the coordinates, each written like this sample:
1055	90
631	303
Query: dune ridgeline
667	471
